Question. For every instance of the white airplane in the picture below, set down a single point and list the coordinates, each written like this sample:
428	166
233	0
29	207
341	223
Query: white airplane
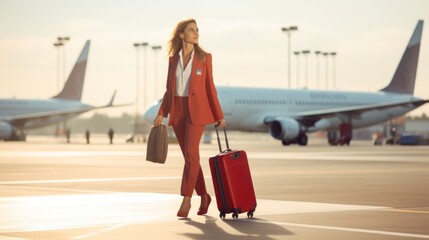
16	115
289	114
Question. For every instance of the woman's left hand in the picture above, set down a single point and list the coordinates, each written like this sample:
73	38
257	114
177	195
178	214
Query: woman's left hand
221	123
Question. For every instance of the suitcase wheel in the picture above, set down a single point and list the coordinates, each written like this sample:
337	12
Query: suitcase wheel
222	215
250	214
235	215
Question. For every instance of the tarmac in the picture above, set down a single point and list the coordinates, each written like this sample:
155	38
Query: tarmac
53	190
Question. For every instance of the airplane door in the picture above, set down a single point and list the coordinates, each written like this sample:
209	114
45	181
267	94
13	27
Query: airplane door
226	102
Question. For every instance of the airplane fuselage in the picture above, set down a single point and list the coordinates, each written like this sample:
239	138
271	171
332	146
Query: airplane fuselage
246	108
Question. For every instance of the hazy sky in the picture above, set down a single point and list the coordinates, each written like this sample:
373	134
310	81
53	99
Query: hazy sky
244	36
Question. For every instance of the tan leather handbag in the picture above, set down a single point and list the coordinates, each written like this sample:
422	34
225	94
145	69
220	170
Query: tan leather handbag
157	144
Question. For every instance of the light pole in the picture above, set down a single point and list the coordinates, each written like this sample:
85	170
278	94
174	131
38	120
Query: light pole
305	53
288	30
137	100
326	71
317	71
297	68
136	116
58	45
333	54
155	49
145	83
63	41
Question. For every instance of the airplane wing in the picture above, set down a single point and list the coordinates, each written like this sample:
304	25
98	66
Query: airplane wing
354	111
20	120
110	104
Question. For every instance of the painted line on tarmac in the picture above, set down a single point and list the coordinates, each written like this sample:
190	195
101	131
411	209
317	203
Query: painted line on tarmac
396	234
76	153
406	211
50	189
334	156
54	154
81	180
12	238
91	234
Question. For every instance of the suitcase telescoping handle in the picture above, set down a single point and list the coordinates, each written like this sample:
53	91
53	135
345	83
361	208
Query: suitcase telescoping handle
218	139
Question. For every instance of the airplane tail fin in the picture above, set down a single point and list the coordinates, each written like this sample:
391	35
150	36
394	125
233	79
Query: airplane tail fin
74	85
405	76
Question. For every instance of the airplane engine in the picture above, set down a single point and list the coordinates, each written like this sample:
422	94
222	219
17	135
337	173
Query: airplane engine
285	129
5	130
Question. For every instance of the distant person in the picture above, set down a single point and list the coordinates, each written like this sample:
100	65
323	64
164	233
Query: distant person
68	133
111	133
87	136
192	102
393	133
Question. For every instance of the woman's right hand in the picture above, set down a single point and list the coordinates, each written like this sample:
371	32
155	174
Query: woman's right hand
158	120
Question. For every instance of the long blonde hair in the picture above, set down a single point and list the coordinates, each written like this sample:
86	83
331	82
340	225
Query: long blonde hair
175	43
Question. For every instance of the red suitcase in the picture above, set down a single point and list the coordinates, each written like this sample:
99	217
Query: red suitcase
232	181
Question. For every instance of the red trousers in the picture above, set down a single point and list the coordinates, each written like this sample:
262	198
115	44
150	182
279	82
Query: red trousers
189	137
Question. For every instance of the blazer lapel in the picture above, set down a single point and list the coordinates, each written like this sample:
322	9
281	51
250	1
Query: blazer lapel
174	62
197	68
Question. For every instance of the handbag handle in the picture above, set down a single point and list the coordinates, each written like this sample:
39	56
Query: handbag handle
218	139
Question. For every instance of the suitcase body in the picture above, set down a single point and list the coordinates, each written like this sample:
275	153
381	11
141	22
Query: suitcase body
232	182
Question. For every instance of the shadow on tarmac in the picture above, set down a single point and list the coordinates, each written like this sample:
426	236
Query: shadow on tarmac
248	228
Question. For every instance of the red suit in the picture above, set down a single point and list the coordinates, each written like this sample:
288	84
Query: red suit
189	115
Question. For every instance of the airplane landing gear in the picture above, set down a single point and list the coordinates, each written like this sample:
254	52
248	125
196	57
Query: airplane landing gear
302	140
17	135
332	138
345	135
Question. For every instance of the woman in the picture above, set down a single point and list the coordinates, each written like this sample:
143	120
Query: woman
192	102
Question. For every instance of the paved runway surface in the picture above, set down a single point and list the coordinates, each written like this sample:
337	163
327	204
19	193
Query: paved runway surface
53	190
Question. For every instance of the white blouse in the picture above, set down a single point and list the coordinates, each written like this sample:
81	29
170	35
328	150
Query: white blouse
183	76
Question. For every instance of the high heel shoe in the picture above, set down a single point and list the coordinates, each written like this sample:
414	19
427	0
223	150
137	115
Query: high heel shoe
183	214
203	209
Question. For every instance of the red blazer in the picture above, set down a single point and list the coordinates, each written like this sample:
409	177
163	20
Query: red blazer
204	106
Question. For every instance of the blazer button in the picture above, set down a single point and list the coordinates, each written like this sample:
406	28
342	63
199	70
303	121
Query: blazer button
192	94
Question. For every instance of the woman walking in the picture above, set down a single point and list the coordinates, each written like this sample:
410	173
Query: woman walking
192	102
